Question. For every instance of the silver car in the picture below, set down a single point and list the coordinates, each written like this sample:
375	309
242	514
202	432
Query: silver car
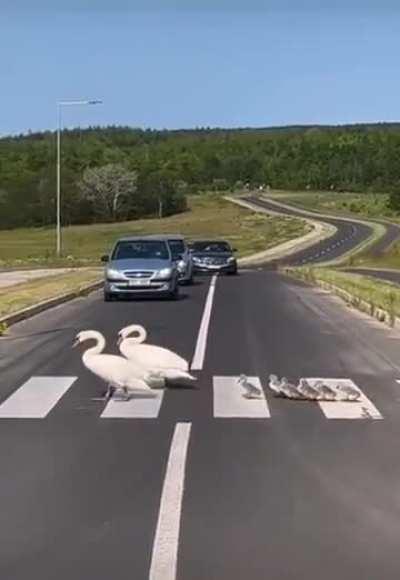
180	254
140	266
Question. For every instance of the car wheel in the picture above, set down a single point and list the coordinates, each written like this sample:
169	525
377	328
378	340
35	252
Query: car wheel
108	296
190	281
233	272
174	294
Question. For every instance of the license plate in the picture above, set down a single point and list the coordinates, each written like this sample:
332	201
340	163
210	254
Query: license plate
139	282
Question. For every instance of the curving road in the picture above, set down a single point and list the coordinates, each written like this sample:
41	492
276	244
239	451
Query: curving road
349	235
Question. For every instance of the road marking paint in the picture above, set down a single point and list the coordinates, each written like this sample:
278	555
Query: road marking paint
229	401
140	406
35	398
362	409
166	541
200	350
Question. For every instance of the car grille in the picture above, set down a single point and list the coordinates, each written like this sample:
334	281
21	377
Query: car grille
139	273
215	261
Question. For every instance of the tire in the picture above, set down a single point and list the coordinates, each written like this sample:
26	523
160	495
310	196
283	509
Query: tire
190	281
108	296
174	294
232	272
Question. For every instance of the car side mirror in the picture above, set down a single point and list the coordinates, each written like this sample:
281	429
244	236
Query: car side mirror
234	249
104	258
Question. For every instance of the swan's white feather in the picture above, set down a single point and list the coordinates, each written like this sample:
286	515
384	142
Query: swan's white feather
115	370
152	356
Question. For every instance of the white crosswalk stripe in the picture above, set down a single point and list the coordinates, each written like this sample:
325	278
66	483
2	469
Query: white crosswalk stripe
141	406
38	396
35	398
362	409
229	401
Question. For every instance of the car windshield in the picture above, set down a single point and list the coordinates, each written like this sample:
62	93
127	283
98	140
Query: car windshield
211	247
177	247
141	249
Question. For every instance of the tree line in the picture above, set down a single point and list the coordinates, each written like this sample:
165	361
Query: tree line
118	173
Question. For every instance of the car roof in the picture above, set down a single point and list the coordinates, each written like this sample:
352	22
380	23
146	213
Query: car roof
166	237
140	239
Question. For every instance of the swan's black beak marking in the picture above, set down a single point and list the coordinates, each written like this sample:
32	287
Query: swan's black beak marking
75	343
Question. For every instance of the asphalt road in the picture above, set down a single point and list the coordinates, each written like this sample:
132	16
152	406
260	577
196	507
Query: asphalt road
197	493
349	234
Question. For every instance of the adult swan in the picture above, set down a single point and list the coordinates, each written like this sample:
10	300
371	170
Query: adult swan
154	358
116	371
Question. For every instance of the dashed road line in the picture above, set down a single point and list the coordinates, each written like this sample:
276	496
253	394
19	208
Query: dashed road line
166	541
201	345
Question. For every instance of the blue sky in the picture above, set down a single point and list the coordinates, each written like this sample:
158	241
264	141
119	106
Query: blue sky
216	63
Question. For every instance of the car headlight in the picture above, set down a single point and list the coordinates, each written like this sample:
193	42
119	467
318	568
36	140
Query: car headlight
231	259
181	266
113	274
164	274
196	260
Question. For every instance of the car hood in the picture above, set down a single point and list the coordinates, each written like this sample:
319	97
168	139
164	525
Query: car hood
139	264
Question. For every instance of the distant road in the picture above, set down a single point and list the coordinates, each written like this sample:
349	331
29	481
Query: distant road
349	235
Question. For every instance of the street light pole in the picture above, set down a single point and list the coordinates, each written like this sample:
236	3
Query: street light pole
58	204
61	104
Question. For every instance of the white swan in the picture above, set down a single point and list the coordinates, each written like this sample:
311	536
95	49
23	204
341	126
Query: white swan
156	359
114	370
251	391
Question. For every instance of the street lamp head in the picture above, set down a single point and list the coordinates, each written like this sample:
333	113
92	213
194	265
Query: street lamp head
79	102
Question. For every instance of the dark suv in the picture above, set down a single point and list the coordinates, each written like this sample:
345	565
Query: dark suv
213	256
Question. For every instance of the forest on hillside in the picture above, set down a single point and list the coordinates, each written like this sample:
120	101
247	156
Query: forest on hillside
118	173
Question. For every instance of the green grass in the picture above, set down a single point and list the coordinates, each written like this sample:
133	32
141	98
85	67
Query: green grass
378	293
208	216
368	205
20	296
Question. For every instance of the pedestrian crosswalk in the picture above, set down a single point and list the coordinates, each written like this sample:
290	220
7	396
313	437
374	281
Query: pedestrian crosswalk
40	395
230	403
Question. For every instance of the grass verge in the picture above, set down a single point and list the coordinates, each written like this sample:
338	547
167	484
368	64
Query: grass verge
20	296
378	298
208	216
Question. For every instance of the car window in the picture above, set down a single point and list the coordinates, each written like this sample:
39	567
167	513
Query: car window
211	247
177	247
141	250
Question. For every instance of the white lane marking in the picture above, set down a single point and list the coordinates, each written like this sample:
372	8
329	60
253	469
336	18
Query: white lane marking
166	541
35	398
362	409
200	350
140	406
229	401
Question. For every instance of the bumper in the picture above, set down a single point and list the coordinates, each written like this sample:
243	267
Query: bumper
154	288
215	267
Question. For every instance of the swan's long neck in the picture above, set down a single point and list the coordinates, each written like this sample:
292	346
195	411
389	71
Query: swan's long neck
140	332
98	347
